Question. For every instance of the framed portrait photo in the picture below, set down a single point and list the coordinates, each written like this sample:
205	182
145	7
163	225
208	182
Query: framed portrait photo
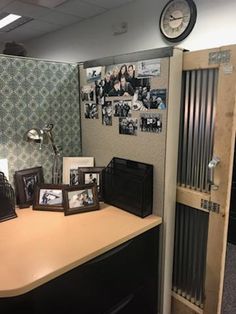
26	181
92	175
70	168
80	199
49	197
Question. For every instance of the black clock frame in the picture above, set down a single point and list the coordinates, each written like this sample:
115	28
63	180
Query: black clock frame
187	31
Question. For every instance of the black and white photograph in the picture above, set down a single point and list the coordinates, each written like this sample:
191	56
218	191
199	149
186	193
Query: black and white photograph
107	84
74	176
137	105
91	178
150	122
71	164
122	108
99	92
128	126
91	111
80	199
93	74
25	183
131	77
148	68
29	183
92	175
120	80
107	113
88	92
49	197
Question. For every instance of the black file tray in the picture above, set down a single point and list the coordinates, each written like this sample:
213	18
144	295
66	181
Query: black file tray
128	185
7	199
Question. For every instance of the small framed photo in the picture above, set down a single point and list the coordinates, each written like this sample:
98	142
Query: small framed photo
80	199
25	183
92	175
49	197
70	168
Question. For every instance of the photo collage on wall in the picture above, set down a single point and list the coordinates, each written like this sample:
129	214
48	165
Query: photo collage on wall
117	91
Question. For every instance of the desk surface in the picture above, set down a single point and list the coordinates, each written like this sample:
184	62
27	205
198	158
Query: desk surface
41	245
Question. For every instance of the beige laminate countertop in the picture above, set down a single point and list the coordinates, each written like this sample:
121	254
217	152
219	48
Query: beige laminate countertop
41	245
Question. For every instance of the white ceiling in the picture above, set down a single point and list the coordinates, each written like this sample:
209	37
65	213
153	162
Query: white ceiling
48	19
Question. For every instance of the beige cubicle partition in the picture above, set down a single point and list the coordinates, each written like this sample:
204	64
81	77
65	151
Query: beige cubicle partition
103	142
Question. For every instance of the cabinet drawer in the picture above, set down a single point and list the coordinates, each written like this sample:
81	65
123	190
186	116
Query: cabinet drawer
142	300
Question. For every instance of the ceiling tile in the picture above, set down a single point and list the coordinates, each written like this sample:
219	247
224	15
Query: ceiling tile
19	36
108	4
41	26
3	3
79	8
26	9
29	30
60	18
45	3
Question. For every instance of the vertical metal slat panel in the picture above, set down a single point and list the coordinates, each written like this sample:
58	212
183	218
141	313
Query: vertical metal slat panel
196	128
191	229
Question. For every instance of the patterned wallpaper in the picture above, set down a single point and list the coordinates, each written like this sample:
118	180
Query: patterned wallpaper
34	93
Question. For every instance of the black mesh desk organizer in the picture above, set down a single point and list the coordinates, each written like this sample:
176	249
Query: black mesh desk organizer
7	199
128	185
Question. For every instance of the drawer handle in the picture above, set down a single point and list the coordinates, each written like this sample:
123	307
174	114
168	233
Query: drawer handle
110	253
121	305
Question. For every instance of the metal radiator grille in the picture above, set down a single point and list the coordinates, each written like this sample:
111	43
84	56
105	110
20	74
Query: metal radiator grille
191	229
196	128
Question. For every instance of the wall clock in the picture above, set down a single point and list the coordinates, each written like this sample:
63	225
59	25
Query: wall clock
177	19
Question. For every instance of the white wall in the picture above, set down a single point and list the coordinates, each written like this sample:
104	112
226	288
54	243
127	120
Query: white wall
215	26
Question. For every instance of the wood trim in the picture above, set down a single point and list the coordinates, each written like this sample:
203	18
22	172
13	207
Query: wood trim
191	198
190	305
175	73
198	60
224	149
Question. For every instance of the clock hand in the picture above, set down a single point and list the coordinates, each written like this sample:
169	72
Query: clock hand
172	18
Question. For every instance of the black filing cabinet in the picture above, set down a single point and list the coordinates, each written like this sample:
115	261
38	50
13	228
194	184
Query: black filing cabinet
124	280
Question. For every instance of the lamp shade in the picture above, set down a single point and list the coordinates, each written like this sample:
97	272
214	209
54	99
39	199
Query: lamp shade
34	135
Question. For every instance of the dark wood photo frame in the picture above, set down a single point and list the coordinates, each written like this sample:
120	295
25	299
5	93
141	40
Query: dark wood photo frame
49	197
25	183
93	175
80	198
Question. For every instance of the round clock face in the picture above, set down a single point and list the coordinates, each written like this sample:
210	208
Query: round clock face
178	19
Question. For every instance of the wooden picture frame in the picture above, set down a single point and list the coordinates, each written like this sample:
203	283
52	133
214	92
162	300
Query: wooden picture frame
79	199
49	197
25	181
93	175
70	168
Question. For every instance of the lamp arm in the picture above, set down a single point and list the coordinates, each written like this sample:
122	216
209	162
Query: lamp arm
48	129
54	147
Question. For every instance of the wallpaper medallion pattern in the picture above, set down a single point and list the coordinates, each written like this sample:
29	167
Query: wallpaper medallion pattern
34	93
